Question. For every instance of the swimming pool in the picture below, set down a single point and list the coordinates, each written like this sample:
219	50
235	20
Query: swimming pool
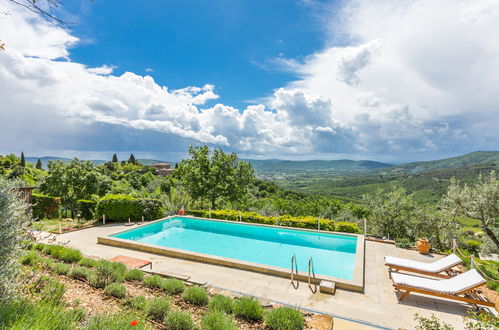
334	255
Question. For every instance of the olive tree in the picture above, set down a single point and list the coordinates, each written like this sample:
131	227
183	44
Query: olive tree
14	220
479	201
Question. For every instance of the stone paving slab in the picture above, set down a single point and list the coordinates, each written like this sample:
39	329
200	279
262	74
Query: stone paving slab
377	305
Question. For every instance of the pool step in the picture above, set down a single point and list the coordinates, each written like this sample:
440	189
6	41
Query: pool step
327	287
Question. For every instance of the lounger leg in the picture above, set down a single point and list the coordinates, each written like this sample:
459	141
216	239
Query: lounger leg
404	295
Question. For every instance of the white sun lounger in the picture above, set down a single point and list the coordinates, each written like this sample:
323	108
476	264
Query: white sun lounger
461	287
427	268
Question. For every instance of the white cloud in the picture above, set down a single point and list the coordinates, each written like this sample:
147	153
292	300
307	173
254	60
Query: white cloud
149	70
418	76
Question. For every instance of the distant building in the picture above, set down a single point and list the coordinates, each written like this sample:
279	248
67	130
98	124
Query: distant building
162	169
25	193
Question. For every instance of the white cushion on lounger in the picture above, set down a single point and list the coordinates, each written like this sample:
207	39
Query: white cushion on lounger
460	283
431	267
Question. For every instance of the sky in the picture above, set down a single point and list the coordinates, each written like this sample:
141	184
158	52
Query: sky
387	80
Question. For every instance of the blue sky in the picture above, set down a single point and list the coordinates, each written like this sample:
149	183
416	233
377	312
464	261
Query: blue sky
386	80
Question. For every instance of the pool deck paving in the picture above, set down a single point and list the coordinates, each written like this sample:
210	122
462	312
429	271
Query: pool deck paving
378	305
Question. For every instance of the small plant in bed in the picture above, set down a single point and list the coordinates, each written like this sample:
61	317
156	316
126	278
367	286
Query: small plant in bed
106	272
87	262
284	318
221	303
115	322
153	281
69	255
217	320
173	286
157	308
60	268
249	309
31	258
52	292
196	295
179	320
134	275
79	273
115	290
137	302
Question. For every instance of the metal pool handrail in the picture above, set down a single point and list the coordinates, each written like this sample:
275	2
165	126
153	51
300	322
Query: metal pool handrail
311	270
293	262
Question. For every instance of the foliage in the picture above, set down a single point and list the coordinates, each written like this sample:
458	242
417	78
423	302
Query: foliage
196	295
60	268
284	318
45	206
221	303
86	208
137	302
479	200
69	255
481	321
403	243
179	320
52	292
23	314
87	262
79	273
173	286
153	281
114	322
30	258
134	275
106	272
122	207
214	175
217	320
74	181
115	290
39	165
430	323
284	220
13	223
248	309
157	308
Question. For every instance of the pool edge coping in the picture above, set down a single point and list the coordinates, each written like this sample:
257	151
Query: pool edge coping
355	284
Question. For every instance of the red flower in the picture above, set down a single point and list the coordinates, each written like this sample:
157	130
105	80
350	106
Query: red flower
134	323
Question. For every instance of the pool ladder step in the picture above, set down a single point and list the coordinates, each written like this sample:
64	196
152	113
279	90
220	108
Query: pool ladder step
311	273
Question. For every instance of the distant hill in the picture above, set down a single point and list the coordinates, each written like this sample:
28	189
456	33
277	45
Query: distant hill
278	169
474	158
46	159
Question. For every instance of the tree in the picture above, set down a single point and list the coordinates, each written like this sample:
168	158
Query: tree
132	159
74	181
115	158
23	160
38	164
13	223
477	201
215	175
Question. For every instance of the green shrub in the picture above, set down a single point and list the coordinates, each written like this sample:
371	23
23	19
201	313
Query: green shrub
47	262
79	272
115	290
114	322
137	302
45	206
87	262
52	292
346	227
122	207
473	246
430	323
179	320
106	272
39	246
31	258
248	309
153	281
86	208
217	320
221	303
403	243
284	318
77	313
134	275
157	308
53	250
69	255
60	268
173	286
196	295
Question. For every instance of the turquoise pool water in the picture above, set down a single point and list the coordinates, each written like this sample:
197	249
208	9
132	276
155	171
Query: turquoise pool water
333	254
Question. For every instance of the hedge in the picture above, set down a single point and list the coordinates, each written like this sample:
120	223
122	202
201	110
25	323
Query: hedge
45	206
86	208
122	207
284	220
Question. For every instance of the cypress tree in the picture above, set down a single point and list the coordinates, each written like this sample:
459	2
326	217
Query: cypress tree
38	164
132	160
23	161
115	158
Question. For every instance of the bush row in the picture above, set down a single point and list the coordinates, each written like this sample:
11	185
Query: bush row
45	206
122	207
283	220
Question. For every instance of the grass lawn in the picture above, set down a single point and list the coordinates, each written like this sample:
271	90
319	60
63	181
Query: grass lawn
67	224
